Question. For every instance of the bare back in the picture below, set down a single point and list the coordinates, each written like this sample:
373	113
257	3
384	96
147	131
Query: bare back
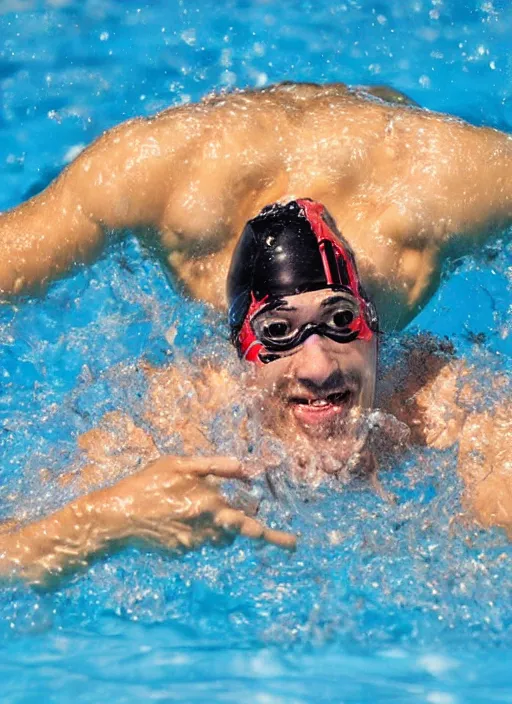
407	187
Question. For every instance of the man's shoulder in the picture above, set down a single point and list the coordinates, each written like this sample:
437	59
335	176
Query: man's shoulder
282	94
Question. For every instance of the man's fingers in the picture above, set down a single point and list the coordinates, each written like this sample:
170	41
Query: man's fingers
284	540
231	519
227	467
252	528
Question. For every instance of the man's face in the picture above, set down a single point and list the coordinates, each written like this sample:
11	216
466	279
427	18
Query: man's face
313	386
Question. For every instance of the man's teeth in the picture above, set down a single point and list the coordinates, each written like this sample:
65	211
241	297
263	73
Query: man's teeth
333	399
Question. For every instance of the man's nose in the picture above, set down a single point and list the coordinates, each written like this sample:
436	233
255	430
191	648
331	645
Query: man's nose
315	364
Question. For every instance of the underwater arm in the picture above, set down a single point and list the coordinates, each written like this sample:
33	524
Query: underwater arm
485	465
484	459
169	503
421	391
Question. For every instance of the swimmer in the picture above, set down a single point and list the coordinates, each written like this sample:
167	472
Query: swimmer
410	190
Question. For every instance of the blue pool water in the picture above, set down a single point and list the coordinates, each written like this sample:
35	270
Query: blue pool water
381	602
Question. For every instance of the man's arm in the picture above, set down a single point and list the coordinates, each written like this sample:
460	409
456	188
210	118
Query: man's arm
121	181
484	459
485	465
169	503
459	180
421	390
405	185
448	192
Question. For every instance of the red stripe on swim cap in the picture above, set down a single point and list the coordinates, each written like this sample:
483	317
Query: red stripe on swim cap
313	212
249	345
314	215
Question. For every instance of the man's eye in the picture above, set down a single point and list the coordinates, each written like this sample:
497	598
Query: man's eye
342	318
276	329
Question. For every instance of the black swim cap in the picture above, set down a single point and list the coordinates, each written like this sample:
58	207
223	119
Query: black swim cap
286	250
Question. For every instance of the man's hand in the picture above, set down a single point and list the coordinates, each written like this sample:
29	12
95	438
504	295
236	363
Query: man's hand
173	502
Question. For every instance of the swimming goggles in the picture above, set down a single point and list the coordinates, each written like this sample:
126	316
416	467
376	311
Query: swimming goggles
281	328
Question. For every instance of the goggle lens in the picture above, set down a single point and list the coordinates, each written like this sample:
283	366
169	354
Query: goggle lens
283	330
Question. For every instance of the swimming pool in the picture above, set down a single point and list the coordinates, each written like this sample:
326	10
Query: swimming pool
381	602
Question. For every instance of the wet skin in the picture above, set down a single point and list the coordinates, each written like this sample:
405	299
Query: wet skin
315	385
172	501
410	190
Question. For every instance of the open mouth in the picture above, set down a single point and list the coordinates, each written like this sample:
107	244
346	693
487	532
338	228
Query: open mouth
338	398
314	410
